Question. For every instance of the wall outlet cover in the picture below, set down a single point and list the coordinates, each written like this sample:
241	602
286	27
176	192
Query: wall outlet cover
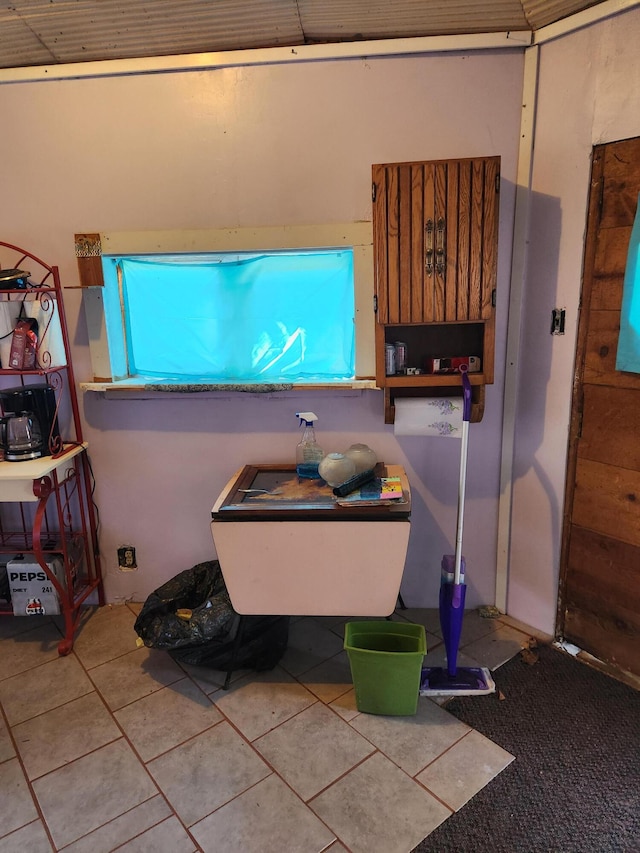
127	558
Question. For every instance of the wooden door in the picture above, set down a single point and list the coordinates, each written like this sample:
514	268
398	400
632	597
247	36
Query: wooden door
435	232
600	566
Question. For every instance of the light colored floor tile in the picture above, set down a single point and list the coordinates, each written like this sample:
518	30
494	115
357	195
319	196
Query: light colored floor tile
333	623
337	623
497	647
32	838
27	649
210	680
6	746
376	808
475	626
116	832
11	626
135	675
167	837
345	705
18	807
412	742
268	818
438	657
83	795
310	643
313	749
433	640
64	734
259	704
427	616
164	719
30	693
464	769
105	633
330	679
207	771
217	783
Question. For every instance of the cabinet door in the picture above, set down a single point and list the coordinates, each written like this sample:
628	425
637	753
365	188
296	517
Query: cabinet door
435	232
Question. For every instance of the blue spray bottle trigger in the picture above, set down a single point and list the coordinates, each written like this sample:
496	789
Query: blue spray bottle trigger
307	418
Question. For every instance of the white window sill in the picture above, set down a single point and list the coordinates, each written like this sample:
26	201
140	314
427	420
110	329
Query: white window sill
126	387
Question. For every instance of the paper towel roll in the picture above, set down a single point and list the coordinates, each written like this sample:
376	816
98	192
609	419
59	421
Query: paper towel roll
441	416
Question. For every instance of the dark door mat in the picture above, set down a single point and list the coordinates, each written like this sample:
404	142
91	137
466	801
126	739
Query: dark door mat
574	786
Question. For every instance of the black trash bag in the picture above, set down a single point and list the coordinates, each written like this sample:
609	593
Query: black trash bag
258	643
215	636
201	590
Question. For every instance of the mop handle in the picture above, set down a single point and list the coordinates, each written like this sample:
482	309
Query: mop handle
466	417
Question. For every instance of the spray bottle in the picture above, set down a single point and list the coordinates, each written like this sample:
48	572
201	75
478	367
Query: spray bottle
308	452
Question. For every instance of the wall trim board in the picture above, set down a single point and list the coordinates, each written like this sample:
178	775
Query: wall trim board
514	323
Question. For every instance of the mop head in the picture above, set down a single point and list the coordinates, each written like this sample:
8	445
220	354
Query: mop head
468	681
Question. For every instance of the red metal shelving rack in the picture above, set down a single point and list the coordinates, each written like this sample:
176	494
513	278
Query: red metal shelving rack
46	504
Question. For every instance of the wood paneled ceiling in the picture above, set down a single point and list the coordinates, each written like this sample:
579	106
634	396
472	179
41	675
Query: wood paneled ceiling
54	32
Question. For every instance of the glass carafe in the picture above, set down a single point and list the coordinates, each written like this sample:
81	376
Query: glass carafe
23	437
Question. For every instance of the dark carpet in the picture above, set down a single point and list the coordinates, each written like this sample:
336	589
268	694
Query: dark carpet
574	786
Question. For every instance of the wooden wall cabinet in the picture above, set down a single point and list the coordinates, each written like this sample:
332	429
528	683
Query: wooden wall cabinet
435	238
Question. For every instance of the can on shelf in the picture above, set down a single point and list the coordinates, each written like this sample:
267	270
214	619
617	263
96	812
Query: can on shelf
401	356
389	359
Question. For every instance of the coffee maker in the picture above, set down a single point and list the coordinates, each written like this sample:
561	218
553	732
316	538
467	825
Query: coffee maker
39	400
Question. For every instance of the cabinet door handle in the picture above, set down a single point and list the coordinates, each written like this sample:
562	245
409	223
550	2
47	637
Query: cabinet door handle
440	255
428	252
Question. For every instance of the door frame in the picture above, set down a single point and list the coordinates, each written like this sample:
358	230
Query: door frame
594	208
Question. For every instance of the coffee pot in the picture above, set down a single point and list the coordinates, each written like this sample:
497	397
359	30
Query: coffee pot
20	436
40	400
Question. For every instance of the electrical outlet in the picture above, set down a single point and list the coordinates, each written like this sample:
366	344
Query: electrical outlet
557	321
127	558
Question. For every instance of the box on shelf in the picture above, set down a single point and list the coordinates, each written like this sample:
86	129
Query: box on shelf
32	593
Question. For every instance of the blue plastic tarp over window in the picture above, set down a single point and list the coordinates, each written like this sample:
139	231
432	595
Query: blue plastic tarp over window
282	316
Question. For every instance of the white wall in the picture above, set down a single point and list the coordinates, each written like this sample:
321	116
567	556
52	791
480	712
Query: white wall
589	93
265	145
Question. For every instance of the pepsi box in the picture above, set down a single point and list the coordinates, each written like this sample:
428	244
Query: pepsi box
32	593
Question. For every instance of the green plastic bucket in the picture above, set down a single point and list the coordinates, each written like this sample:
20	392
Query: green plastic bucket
386	664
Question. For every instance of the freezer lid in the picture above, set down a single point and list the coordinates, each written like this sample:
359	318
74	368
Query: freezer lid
275	492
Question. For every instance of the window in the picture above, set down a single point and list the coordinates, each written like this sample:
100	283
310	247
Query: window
292	313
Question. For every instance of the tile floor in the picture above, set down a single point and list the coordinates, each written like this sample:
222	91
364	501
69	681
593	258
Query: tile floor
117	747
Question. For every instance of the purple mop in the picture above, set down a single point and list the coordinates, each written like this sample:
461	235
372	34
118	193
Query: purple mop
454	680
